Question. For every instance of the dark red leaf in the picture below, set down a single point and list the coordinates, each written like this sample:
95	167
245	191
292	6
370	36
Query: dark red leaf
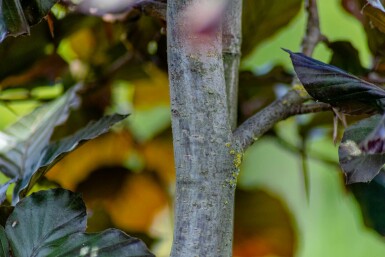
327	83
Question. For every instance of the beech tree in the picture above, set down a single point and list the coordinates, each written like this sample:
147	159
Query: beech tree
204	40
203	70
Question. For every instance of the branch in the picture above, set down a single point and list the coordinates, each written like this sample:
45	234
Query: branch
291	103
231	50
249	131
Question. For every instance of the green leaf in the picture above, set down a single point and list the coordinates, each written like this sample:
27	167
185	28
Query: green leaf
16	17
358	165
57	150
4	247
329	84
52	224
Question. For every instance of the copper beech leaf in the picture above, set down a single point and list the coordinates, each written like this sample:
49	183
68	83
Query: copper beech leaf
16	16
358	158
346	92
361	152
55	151
376	13
52	223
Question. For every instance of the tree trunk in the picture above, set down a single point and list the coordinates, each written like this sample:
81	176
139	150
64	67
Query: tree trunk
206	161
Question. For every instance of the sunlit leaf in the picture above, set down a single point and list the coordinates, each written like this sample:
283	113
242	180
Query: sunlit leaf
358	165
329	84
64	216
25	149
22	144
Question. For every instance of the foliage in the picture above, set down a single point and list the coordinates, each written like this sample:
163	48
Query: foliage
362	147
64	216
26	155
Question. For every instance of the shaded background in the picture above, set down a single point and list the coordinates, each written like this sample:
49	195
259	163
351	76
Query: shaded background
127	176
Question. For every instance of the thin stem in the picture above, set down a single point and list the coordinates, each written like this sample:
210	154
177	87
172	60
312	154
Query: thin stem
305	167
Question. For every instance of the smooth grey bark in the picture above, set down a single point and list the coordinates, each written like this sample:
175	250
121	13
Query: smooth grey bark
206	163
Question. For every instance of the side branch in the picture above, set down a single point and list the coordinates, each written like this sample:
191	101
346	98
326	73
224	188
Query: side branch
289	105
253	128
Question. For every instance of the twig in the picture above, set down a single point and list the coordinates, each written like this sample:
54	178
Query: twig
305	167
